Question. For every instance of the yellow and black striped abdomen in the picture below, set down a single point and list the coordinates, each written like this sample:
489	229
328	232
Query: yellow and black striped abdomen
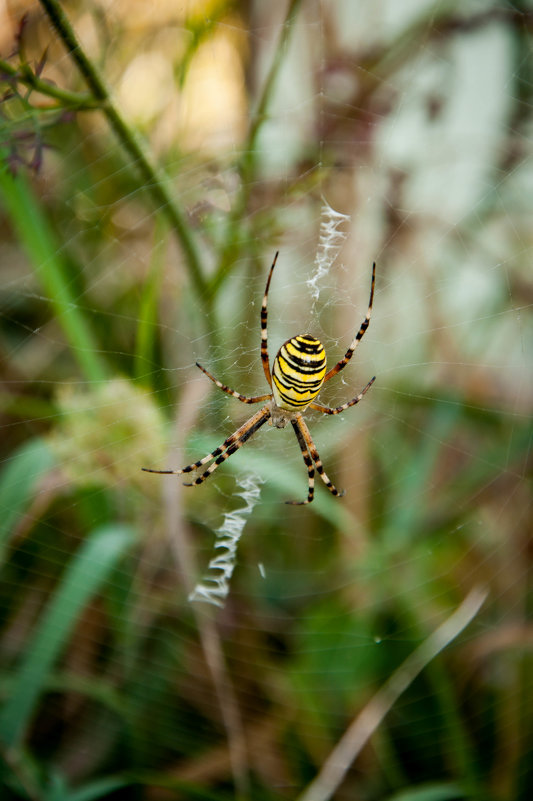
298	372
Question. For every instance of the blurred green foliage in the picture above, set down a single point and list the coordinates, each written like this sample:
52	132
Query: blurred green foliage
118	274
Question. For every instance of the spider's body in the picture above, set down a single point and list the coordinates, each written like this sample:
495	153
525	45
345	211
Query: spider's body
298	373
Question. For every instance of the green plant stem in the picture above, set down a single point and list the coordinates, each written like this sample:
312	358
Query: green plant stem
232	247
71	100
156	181
147	326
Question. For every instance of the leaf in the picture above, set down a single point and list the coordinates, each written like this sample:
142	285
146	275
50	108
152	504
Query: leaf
43	250
85	575
147	328
95	789
18	481
431	792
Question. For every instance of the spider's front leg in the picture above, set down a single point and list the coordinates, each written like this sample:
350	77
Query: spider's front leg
360	334
264	319
232	392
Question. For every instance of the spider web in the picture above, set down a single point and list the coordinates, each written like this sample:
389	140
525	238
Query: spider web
394	133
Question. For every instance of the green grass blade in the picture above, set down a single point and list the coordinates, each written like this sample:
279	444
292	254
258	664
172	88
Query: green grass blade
148	324
99	788
43	250
82	579
430	792
407	509
17	483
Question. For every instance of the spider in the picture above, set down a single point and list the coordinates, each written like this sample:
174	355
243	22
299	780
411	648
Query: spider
298	373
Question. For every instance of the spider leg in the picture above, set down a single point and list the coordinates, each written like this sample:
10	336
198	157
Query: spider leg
300	423
338	409
220	454
308	463
360	334
264	333
233	443
229	391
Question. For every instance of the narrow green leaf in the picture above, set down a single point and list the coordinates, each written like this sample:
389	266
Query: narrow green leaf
43	250
148	326
56	788
431	792
82	579
98	788
407	508
17	483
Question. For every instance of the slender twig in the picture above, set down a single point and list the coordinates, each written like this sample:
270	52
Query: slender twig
260	113
154	178
22	73
247	167
371	716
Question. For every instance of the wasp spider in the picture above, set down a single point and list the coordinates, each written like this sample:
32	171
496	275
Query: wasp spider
298	373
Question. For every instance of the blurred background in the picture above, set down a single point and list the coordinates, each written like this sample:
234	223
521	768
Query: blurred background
154	158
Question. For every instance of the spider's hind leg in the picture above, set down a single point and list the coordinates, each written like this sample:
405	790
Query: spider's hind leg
223	452
230	445
220	451
299	423
308	463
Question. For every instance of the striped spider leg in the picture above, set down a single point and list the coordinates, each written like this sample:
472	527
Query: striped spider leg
223	452
239	437
298	373
308	461
312	460
308	447
229	391
338	409
264	315
232	443
360	334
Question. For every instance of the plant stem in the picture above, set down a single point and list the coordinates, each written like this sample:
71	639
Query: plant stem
232	247
332	772
156	181
71	100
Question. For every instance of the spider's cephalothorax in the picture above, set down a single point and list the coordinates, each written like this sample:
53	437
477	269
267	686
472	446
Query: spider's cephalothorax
298	372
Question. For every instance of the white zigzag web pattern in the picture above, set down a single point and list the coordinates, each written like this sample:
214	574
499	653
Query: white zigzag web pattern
329	244
213	589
